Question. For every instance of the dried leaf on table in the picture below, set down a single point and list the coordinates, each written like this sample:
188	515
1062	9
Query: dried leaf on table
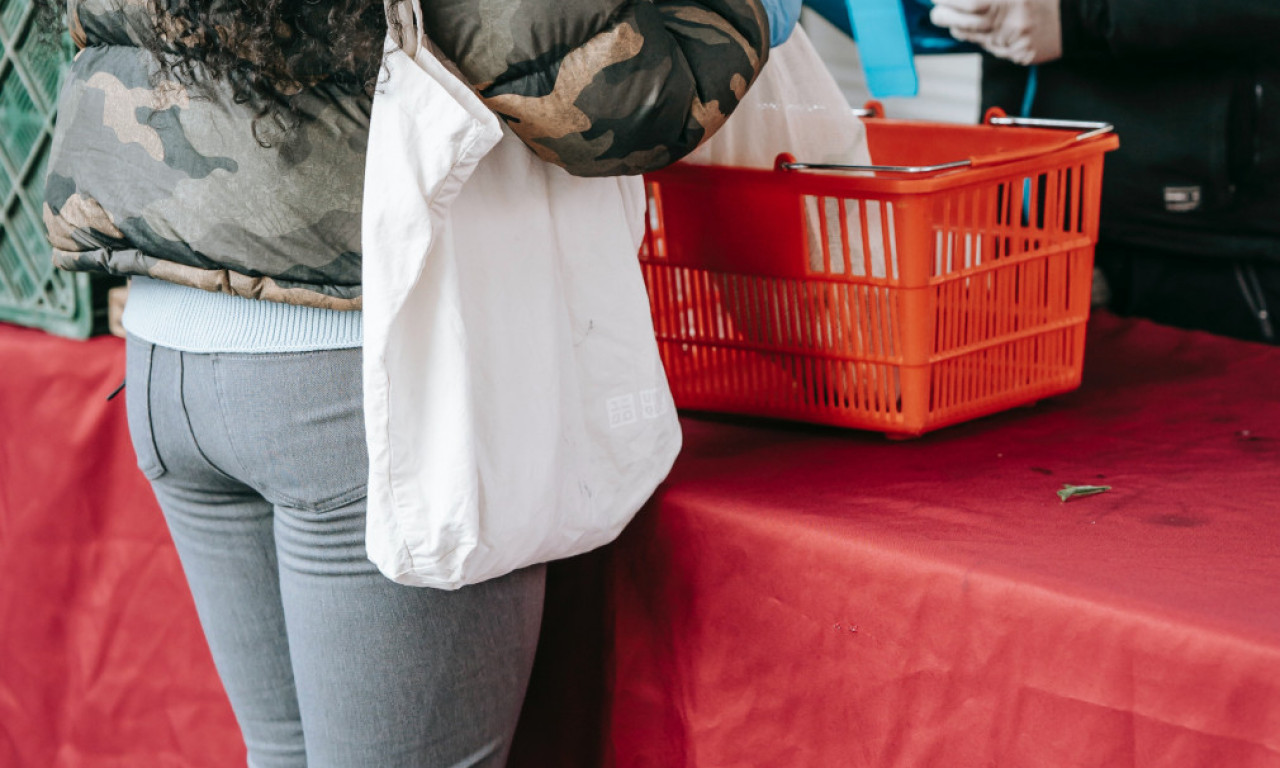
1070	491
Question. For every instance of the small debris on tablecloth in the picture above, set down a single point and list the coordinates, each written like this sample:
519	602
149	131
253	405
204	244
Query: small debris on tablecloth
1070	491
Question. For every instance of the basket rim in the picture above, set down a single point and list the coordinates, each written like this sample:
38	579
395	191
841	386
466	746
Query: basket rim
888	184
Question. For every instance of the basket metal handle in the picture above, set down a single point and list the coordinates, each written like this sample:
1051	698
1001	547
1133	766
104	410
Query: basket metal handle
1087	130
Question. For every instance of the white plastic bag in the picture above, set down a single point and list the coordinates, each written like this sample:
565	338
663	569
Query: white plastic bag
516	407
794	106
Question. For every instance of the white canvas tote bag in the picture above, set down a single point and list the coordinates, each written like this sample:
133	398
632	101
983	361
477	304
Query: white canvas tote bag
516	407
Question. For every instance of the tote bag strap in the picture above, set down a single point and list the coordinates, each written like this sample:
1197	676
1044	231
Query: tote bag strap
409	30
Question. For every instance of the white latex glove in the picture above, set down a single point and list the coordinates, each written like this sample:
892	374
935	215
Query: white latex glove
1023	31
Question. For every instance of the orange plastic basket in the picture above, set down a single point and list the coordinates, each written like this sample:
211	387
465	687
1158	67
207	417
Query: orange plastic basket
901	301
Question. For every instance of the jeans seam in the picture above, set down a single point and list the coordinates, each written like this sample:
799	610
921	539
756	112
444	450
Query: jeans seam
186	415
151	424
324	505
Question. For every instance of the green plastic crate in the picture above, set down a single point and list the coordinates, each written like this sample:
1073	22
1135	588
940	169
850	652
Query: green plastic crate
32	292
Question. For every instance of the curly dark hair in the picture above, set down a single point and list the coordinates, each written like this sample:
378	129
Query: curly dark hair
268	50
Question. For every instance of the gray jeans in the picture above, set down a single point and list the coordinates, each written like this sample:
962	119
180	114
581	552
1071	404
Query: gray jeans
259	463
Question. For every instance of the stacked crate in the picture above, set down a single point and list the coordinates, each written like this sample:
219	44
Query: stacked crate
32	292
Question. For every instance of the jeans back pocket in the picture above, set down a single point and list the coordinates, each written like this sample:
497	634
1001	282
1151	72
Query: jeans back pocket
139	356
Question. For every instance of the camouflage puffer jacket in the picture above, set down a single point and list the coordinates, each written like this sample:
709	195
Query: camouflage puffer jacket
150	177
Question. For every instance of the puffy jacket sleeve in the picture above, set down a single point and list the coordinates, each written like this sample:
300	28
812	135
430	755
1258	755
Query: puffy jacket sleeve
605	87
1166	28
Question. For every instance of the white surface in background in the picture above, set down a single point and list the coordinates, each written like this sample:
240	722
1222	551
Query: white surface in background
950	84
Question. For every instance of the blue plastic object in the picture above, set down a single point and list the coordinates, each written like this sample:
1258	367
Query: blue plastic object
783	15
927	37
889	32
884	47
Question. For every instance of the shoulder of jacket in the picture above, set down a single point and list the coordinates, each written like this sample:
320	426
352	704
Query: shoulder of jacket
492	41
606	87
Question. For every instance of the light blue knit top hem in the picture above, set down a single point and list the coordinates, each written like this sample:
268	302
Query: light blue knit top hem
192	320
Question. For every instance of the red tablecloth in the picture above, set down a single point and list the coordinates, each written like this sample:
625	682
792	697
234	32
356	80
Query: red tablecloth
102	662
795	596
804	597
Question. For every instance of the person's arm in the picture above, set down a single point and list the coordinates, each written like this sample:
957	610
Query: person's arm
606	87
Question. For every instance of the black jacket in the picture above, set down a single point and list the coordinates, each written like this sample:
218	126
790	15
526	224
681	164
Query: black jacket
1193	89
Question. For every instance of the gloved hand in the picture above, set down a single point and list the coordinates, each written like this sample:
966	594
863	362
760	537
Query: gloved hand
783	15
1023	31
